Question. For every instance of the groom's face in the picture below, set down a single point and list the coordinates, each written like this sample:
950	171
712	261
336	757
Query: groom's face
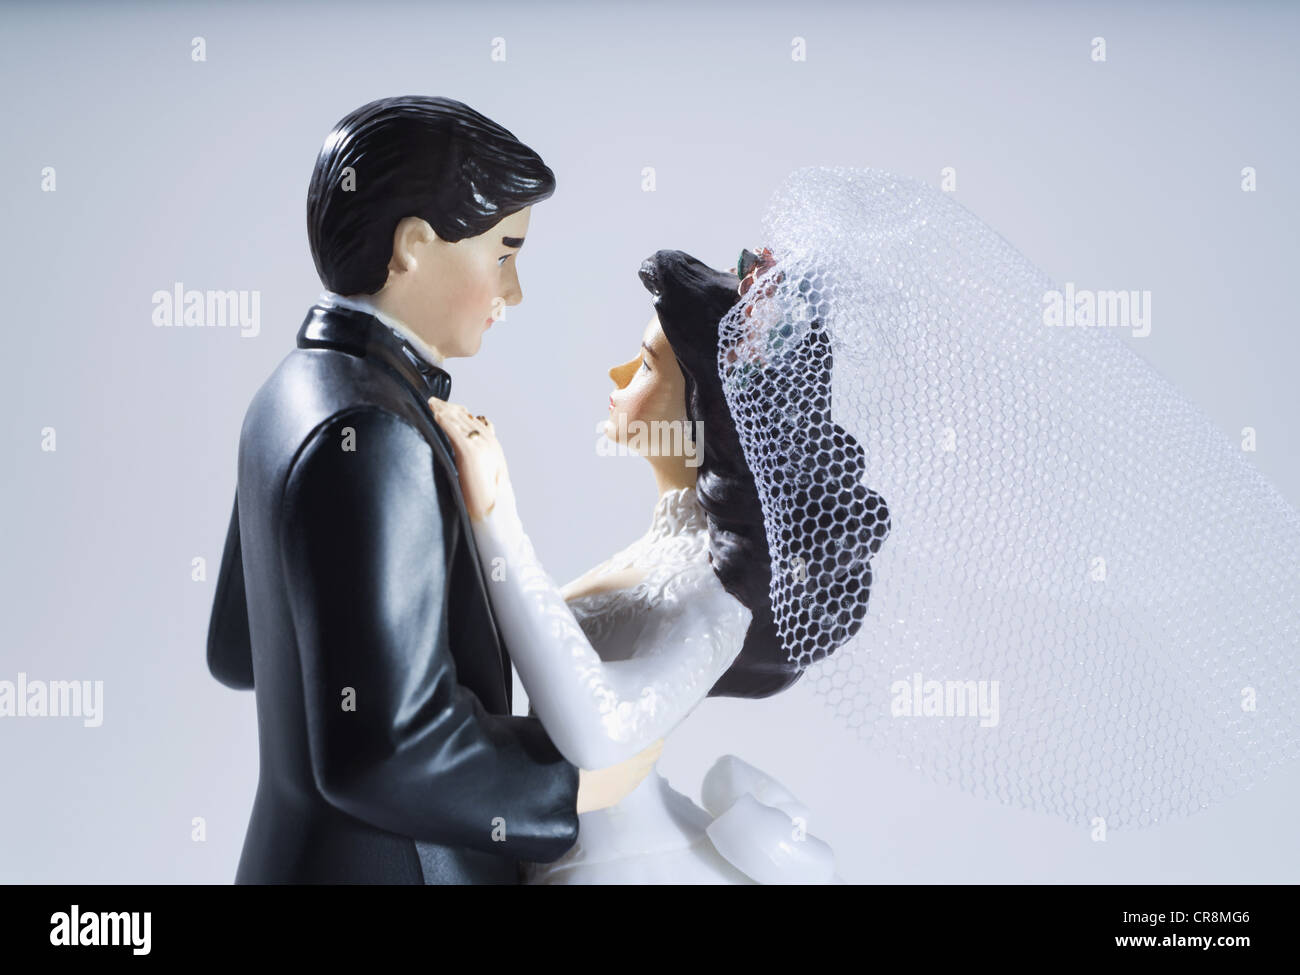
451	293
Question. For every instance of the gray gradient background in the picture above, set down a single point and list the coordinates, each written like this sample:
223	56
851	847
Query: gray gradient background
1115	175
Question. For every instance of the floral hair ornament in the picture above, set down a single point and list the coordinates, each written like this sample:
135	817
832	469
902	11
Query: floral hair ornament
780	324
750	265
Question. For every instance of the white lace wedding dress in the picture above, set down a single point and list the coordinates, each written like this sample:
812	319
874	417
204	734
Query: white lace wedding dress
610	672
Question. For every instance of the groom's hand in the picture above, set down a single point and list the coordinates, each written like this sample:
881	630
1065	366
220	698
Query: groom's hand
609	786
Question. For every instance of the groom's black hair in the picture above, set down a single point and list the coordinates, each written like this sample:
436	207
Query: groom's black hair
414	155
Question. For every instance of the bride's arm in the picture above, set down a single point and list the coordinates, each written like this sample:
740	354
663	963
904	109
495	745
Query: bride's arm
600	712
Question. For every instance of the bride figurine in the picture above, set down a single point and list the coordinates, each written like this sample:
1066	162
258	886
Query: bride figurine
1082	594
620	656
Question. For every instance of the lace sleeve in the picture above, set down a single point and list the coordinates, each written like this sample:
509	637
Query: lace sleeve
597	712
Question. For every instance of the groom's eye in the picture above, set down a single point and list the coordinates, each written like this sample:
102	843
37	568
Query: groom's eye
645	365
502	259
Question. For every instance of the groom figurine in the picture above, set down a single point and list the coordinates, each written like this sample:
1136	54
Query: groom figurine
351	597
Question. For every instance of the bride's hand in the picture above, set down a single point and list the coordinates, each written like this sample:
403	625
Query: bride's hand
479	457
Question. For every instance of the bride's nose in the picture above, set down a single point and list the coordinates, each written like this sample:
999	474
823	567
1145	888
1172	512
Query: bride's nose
623	372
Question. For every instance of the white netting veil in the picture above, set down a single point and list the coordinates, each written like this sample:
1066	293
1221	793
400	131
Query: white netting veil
1081	598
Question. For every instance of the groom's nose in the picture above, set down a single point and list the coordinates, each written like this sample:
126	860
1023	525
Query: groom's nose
513	293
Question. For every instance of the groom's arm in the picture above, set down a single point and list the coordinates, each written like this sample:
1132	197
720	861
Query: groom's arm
395	740
230	649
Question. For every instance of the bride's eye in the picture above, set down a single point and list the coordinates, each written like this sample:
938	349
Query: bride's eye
645	365
502	259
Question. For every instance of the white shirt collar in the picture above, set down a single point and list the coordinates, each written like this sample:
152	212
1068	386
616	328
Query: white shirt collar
363	303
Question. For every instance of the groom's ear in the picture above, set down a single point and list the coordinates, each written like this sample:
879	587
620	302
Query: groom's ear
409	238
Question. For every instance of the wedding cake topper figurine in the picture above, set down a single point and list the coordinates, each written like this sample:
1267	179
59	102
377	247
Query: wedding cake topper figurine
1005	551
351	598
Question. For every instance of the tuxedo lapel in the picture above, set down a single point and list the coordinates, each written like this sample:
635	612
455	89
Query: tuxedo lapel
362	334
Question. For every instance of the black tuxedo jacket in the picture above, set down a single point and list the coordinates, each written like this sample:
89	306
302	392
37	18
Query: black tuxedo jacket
351	599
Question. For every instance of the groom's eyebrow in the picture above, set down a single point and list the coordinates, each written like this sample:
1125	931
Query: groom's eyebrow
513	241
648	349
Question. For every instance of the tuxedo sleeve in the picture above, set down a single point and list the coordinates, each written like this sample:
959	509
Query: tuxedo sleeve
230	650
395	740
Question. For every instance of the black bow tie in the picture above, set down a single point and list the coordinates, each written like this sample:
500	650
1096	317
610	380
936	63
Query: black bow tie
436	380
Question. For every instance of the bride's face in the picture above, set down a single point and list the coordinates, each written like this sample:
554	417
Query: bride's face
648	387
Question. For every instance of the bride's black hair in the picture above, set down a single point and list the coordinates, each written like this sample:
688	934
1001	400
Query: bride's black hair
691	299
